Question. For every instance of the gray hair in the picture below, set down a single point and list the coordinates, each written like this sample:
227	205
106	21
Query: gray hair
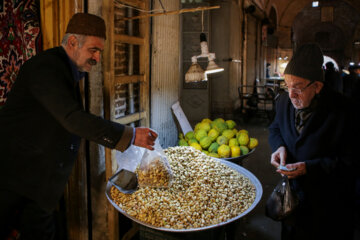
79	37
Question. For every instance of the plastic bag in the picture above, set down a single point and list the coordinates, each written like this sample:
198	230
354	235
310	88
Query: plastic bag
154	169
125	179
130	158
282	201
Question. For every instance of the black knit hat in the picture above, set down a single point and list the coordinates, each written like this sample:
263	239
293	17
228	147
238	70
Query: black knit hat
307	63
87	24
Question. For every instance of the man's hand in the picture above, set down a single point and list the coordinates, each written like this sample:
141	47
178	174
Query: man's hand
300	169
145	137
278	157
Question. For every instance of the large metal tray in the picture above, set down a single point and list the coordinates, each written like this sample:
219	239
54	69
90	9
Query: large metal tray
238	168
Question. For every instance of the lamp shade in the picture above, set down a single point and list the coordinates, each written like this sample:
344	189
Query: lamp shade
195	72
212	66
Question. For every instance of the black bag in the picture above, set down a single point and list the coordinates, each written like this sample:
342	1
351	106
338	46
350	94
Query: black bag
282	201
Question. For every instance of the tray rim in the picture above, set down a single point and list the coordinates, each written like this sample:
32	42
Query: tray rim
241	157
238	168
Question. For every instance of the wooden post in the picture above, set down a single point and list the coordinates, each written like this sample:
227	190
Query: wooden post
109	72
144	66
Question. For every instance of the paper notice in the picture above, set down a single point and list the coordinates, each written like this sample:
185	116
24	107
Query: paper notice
180	115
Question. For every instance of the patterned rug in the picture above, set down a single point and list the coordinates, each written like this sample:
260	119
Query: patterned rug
20	39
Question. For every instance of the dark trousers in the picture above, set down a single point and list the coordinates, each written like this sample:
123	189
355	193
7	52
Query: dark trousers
26	216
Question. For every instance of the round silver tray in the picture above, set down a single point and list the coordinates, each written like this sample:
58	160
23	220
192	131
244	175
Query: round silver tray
236	167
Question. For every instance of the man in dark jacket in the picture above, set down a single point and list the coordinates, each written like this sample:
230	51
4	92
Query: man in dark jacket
310	135
351	83
333	77
42	123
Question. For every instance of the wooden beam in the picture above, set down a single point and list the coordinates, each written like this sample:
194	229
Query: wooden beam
131	118
129	39
132	3
129	79
172	12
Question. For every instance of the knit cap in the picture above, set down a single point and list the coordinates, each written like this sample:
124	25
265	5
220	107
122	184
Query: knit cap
87	24
307	63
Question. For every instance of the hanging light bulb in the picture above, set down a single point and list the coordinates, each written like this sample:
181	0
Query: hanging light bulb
195	72
204	46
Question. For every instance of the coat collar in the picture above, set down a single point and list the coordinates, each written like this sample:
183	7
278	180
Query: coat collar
77	75
316	116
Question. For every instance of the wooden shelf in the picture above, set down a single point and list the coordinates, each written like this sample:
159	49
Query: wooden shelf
129	79
134	3
131	118
129	39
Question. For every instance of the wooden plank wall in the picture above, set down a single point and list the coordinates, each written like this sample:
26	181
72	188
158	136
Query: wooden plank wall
49	23
55	15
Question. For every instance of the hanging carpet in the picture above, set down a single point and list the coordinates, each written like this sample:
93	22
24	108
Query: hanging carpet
20	39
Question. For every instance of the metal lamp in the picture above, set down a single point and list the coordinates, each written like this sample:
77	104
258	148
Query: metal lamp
195	72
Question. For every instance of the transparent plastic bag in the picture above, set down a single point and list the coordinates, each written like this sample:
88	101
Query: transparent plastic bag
282	201
130	158
154	169
139	166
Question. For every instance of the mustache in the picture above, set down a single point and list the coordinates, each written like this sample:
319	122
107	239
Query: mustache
92	62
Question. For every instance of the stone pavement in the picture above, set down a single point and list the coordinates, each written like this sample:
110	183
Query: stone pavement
255	225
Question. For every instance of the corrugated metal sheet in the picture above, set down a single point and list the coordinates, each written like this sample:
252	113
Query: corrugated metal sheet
165	73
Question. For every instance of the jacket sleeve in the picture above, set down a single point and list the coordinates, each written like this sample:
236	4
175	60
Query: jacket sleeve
56	93
275	138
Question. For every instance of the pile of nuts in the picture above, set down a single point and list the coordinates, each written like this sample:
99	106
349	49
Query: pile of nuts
204	192
154	174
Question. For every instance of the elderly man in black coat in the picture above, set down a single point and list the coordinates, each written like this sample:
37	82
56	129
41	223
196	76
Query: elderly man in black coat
42	123
311	135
